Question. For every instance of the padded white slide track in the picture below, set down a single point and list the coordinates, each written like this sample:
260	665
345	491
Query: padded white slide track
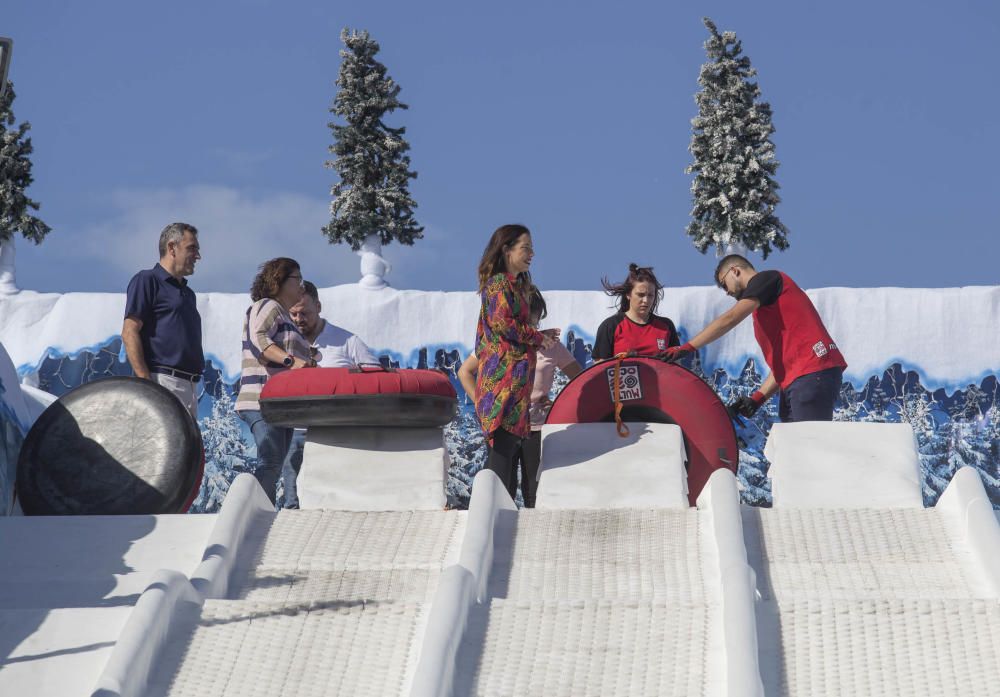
864	591
319	602
588	602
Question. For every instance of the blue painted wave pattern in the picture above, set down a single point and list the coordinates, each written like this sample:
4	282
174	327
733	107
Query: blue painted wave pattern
961	428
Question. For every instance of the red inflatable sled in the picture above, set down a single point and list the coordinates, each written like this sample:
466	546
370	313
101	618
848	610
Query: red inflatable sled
656	392
358	397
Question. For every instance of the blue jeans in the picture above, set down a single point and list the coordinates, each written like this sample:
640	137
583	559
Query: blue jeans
272	446
811	397
296	450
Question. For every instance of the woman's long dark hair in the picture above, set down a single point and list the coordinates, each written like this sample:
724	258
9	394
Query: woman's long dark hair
636	274
272	273
494	262
536	303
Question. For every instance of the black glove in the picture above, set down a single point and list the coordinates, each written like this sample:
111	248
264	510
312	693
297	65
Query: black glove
747	406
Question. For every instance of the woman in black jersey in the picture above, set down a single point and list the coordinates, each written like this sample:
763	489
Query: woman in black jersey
636	328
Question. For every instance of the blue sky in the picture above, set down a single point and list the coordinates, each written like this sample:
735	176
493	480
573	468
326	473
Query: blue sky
573	118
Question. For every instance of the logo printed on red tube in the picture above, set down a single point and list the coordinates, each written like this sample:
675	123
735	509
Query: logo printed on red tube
629	386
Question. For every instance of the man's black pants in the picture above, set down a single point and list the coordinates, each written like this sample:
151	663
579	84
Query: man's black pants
811	397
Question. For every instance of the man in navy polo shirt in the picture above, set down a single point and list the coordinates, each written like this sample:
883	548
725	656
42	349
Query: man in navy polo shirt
806	364
162	329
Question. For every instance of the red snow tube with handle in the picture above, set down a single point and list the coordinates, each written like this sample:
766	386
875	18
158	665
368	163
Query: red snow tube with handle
656	392
358	397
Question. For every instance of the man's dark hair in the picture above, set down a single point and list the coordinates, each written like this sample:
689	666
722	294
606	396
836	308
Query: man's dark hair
731	260
309	288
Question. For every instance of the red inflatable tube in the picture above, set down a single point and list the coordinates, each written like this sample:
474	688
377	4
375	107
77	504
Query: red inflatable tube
656	392
358	397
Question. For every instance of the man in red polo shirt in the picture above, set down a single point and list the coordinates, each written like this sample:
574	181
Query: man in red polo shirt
806	364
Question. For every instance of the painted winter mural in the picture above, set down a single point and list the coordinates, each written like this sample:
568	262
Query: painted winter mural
956	428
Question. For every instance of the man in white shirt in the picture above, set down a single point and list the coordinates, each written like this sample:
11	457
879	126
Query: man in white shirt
333	347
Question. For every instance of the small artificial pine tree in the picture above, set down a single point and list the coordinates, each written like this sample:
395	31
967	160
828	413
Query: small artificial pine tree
372	196
15	177
227	454
734	190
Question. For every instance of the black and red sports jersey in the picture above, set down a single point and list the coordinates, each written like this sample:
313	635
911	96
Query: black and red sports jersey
618	334
791	334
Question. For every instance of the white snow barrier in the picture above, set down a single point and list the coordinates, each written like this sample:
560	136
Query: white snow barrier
972	519
590	466
36	400
736	582
245	501
170	598
373	469
819	464
460	587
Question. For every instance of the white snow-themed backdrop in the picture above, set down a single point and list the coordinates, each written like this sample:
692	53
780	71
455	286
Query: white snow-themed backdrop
928	357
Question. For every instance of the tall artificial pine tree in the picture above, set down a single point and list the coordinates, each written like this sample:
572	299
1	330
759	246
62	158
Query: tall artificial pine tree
734	189
371	203
15	177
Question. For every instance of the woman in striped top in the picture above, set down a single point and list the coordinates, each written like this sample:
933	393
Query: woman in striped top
271	343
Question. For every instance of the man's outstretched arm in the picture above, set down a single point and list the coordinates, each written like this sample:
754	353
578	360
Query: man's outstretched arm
716	328
722	324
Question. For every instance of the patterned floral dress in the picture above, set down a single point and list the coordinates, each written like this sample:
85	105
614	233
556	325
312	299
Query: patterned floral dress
505	347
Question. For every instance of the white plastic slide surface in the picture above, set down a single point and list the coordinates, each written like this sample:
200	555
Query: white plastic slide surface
68	586
879	601
844	465
591	466
318	602
373	469
616	601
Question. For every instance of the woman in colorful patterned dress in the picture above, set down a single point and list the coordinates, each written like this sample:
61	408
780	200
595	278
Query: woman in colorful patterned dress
548	359
505	346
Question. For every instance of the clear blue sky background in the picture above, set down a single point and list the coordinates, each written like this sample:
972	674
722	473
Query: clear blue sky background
573	118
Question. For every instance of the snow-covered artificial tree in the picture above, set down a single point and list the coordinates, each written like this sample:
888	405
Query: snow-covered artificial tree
991	439
371	203
971	403
226	452
878	406
734	190
15	177
848	407
916	409
466	448
966	445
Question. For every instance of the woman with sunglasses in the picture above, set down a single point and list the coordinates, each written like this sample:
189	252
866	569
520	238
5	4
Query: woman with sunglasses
635	329
271	344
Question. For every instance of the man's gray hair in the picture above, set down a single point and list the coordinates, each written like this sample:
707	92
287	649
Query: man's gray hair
174	233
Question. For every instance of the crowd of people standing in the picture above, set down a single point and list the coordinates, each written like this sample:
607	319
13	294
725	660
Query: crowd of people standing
510	373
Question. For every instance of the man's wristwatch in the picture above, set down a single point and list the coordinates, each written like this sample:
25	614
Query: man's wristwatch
288	362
